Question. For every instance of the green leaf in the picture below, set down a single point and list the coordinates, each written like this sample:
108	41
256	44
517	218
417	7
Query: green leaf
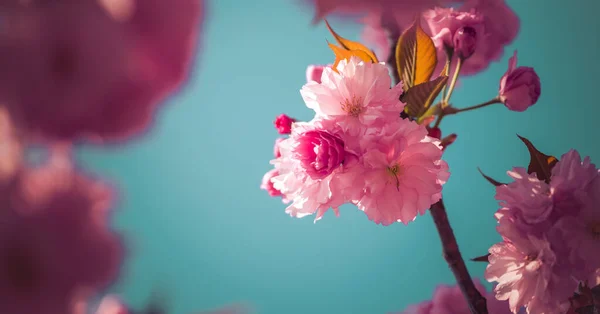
540	163
490	179
483	258
420	97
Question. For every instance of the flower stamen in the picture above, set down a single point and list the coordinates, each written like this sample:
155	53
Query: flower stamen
394	171
352	106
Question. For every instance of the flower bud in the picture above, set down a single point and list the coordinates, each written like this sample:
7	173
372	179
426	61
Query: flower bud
283	123
314	72
520	87
465	40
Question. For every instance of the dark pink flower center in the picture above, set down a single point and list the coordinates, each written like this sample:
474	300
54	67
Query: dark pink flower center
320	153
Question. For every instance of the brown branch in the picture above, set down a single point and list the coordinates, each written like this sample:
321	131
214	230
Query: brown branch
390	24
476	301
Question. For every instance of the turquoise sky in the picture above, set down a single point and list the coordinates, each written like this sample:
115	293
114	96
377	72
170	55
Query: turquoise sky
200	229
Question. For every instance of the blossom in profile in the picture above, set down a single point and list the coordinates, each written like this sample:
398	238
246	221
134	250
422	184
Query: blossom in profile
55	243
356	97
94	70
520	87
314	72
450	300
404	173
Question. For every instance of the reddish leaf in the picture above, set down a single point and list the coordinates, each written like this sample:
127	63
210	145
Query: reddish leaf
483	258
540	164
490	180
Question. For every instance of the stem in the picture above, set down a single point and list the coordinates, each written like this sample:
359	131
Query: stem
485	104
454	79
477	303
393	36
449	53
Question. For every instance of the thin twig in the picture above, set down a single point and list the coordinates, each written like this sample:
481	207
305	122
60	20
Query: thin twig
477	303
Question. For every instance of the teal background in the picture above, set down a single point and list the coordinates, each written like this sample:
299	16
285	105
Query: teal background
201	230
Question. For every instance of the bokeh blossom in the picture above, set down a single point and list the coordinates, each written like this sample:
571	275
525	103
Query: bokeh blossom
93	70
492	25
450	300
112	304
55	243
520	87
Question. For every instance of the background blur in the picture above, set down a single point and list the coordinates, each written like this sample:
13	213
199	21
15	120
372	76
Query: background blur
202	231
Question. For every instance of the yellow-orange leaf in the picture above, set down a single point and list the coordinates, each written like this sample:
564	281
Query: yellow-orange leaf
341	54
416	56
353	46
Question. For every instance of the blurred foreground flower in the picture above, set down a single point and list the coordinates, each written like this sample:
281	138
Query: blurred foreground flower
113	305
449	300
93	69
56	247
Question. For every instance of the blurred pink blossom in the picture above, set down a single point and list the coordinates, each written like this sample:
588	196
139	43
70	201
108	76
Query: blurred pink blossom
113	305
55	242
356	97
450	300
93	69
520	87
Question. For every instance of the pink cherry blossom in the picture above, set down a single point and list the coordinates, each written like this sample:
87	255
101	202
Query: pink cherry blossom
529	272
520	87
309	190
314	72
113	305
93	69
450	300
404	173
55	245
283	124
357	97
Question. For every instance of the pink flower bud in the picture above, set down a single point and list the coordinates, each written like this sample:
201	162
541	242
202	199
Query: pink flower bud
465	40
314	72
435	132
283	123
267	185
319	152
520	87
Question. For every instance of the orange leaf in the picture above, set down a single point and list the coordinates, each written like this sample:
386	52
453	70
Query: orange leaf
341	54
353	46
416	56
